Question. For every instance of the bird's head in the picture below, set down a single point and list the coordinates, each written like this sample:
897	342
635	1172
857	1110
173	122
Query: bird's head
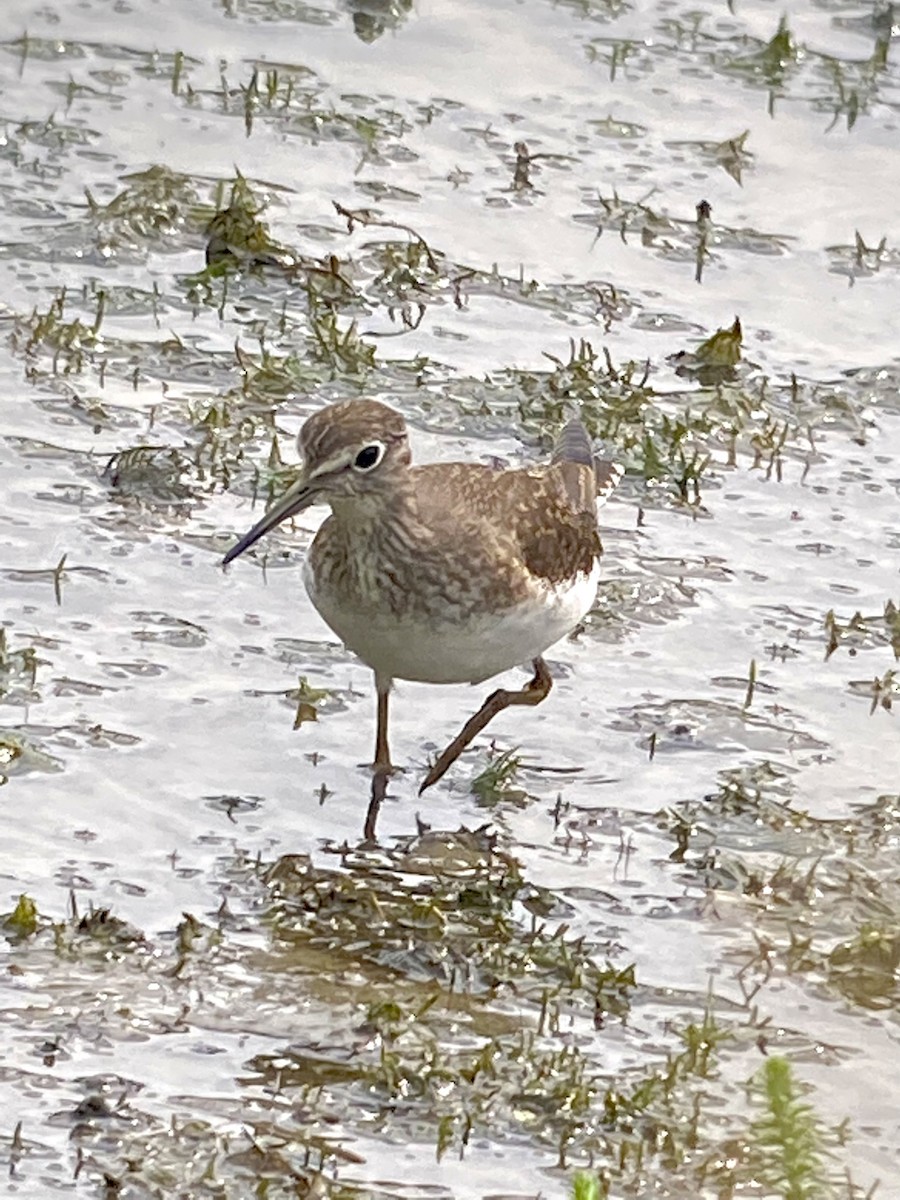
353	452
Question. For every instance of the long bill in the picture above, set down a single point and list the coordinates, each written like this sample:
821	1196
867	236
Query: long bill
299	495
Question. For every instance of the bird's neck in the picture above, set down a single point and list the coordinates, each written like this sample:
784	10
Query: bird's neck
364	545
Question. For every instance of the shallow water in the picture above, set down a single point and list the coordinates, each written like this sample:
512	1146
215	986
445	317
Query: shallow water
705	796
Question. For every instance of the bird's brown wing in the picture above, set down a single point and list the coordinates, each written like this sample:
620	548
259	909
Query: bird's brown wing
543	517
556	521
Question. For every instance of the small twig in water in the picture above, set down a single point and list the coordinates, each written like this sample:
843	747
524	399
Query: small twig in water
362	216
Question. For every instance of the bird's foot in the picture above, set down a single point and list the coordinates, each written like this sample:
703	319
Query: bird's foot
437	769
381	773
381	768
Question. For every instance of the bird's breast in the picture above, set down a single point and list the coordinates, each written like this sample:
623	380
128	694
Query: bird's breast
442	640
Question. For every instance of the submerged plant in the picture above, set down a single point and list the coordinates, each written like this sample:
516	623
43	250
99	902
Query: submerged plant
155	205
497	780
859	631
308	699
70	342
16	664
586	1186
786	1139
23	921
236	234
865	967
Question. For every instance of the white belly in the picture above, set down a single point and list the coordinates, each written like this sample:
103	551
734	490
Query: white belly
466	651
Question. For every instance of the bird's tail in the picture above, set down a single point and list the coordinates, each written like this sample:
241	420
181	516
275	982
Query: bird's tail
574	446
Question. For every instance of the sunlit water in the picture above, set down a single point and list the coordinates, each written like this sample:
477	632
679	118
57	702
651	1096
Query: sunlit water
154	748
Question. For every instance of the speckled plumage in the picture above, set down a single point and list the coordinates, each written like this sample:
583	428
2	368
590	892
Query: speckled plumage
450	572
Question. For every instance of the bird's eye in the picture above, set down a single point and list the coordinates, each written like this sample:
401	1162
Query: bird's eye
369	457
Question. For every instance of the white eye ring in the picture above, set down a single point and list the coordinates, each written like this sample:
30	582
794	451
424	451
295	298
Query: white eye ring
369	457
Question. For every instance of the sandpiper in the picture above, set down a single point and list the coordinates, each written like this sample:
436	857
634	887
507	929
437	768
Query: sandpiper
444	573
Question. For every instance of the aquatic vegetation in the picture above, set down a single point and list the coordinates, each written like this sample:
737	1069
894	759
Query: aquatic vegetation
860	632
23	921
882	690
71	344
149	472
308	700
157	205
236	235
787	1147
497	780
533	995
18	669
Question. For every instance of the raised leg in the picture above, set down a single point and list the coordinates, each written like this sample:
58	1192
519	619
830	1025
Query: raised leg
536	690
